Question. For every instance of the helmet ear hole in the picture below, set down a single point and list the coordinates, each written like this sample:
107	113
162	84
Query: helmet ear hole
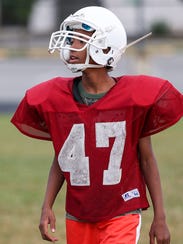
102	56
107	50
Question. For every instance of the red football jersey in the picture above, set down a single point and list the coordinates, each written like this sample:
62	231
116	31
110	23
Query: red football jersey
97	145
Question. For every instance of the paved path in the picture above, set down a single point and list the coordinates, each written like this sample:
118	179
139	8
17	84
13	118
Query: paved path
19	74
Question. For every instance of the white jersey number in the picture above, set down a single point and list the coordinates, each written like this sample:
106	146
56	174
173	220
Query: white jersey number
72	157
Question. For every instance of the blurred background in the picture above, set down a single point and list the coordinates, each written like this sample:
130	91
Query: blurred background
25	29
26	26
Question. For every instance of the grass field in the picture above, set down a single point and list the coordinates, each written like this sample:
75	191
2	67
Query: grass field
24	166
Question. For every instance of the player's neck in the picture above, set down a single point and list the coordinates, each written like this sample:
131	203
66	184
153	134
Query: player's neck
97	81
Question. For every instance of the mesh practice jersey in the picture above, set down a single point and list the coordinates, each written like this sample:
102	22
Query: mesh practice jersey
97	145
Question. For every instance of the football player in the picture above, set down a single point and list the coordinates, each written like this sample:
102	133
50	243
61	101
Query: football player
101	129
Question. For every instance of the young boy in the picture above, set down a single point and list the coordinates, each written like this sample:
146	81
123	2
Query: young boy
100	127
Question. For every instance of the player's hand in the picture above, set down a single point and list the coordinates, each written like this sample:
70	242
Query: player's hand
159	232
47	220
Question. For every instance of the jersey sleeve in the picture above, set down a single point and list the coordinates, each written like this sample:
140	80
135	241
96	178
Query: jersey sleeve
29	121
166	110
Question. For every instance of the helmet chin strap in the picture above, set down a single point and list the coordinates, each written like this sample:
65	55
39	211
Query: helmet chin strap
136	41
81	67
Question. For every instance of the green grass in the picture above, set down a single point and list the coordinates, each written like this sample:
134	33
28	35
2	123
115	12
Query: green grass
24	167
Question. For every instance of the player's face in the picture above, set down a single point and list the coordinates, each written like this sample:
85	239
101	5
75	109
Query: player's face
78	56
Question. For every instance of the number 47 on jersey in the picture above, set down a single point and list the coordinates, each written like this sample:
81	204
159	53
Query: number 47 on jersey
72	157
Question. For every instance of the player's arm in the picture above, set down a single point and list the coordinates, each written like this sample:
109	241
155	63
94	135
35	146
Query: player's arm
55	182
159	232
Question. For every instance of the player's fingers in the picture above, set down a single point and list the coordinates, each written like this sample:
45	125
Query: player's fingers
44	233
43	227
152	238
53	223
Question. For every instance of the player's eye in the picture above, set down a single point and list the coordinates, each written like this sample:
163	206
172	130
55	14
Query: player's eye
69	41
82	42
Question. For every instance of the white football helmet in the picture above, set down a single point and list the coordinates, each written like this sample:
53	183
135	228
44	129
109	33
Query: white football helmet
105	46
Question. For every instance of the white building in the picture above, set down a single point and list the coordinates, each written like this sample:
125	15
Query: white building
142	14
138	16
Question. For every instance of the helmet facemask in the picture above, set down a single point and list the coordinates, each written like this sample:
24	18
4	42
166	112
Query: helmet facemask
62	41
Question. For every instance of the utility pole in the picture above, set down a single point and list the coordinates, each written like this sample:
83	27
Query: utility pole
1	17
140	21
142	57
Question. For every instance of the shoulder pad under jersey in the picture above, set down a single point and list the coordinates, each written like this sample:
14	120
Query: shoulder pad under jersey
41	92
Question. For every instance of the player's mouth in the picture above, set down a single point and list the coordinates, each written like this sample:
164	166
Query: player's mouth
73	59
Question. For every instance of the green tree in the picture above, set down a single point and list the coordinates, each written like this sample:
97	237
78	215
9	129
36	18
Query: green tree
16	12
